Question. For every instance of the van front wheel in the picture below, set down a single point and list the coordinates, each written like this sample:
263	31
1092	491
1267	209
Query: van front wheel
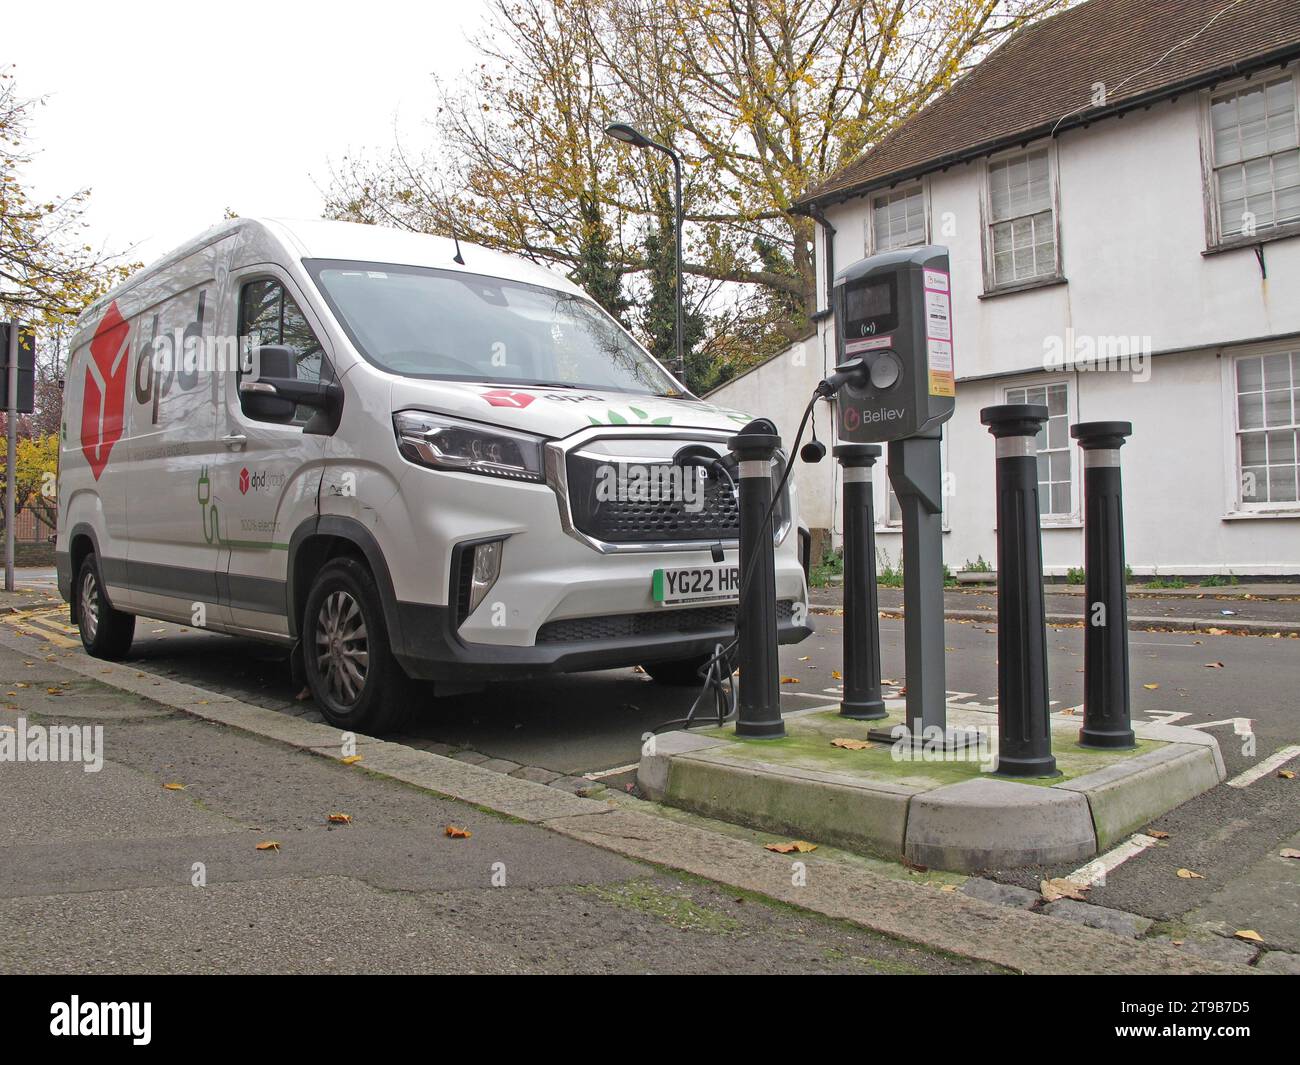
105	632
352	674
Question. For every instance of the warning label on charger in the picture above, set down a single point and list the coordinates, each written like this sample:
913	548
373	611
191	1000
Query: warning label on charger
938	333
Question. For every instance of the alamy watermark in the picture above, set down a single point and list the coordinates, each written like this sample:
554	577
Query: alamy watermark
631	482
53	743
1091	353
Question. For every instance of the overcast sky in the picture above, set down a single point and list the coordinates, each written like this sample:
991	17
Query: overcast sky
172	112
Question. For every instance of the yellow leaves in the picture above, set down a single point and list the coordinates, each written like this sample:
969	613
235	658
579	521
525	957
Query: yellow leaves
1151	687
268	845
852	745
340	819
1286	774
835	675
455	832
797	846
1061	888
1156	833
174	787
53	691
1248	934
789	680
1187	874
351	759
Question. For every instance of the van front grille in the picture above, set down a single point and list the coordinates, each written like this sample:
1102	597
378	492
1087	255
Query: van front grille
609	511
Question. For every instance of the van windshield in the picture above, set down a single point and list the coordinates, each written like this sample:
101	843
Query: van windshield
422	322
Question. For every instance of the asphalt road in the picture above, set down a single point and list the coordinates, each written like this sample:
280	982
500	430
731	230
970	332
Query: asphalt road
592	724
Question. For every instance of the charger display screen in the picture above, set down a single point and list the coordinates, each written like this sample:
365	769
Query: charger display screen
871	308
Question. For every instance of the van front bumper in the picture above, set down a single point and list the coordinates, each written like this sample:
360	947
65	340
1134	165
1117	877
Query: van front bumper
429	648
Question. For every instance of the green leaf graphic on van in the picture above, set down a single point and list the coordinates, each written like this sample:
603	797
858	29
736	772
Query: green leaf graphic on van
618	419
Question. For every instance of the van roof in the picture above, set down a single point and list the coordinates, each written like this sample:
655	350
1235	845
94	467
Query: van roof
316	238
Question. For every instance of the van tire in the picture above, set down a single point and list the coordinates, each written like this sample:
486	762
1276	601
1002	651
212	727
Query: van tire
683	673
351	671
105	632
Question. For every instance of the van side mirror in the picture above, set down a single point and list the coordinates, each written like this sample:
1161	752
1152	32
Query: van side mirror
275	392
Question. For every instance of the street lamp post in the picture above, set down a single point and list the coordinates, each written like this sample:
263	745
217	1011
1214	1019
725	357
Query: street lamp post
631	135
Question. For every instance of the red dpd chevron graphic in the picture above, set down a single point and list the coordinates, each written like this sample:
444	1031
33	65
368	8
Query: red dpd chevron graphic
504	397
104	395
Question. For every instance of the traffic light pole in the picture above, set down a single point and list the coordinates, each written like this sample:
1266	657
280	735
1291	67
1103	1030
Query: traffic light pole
11	451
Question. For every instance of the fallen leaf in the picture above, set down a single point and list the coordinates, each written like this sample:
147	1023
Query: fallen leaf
1248	934
797	846
835	675
805	658
351	759
1068	712
1150	687
1289	852
1060	888
948	887
1216	632
1187	874
269	845
1286	774
458	833
53	691
1155	833
789	680
852	745
340	819
174	787
1213	665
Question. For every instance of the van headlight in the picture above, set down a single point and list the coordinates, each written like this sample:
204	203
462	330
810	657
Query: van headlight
451	444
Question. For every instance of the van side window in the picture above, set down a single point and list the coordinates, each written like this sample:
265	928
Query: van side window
269	315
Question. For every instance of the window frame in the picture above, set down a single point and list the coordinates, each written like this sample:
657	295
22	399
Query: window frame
921	188
1239	506
1215	240
991	285
885	523
1069	383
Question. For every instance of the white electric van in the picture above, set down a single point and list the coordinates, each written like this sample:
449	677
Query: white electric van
401	459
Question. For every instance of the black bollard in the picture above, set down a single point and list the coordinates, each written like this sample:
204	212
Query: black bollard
862	699
1024	726
759	702
1106	715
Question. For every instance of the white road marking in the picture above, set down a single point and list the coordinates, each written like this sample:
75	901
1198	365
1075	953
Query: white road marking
1264	768
611	772
1097	869
1166	717
1240	725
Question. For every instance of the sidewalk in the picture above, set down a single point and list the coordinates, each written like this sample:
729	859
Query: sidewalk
1246	609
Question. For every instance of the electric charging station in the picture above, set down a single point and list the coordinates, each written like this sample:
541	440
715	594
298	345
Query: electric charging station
894	342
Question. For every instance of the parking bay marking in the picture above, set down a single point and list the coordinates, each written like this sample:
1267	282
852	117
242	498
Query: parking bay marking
1097	869
1264	768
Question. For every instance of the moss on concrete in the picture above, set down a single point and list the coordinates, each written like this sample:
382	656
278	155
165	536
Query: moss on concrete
807	745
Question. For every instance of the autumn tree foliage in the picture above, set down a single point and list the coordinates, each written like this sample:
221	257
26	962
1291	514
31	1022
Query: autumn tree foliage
48	273
762	98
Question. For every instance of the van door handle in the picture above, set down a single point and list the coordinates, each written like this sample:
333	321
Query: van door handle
235	441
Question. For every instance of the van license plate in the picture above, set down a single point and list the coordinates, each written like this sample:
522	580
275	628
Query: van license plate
696	584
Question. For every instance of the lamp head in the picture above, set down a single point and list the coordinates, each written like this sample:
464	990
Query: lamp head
621	131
